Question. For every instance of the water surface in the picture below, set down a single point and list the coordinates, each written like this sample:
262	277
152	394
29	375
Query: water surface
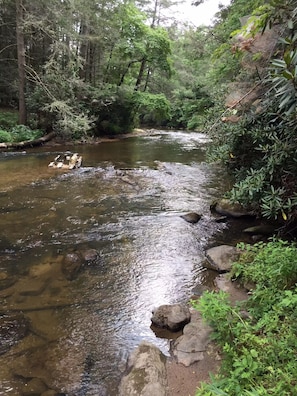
125	204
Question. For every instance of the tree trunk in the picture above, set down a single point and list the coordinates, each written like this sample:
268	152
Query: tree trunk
140	75
21	61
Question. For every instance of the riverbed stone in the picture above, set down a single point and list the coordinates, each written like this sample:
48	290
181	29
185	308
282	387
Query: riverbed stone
34	387
191	217
60	365
226	208
71	265
191	346
50	392
6	281
13	328
172	317
90	255
146	373
220	258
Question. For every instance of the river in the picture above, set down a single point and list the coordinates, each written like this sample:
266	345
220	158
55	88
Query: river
120	211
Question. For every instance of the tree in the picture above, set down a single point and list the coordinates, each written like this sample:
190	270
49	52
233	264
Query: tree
21	60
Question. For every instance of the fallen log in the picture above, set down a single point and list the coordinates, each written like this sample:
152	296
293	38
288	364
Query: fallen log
28	143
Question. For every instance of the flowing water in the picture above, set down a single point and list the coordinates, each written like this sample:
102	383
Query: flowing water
121	212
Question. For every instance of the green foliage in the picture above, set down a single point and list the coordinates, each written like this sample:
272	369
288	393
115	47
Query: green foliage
5	137
262	147
153	109
114	111
189	107
8	119
269	264
21	133
259	349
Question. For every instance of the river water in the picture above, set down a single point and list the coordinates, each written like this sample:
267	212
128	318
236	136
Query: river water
122	208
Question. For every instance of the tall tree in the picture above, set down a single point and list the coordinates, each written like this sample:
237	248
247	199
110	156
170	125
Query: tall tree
21	60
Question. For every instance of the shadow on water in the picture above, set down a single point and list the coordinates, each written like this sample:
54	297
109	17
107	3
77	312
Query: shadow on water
86	255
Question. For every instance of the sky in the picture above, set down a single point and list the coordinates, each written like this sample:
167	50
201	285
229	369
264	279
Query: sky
200	15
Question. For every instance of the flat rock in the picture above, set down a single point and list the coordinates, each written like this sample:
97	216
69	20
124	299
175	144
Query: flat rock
191	346
220	258
235	292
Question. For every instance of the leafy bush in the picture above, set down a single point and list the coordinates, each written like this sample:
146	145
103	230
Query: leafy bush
259	349
5	137
115	111
22	133
152	109
8	119
271	264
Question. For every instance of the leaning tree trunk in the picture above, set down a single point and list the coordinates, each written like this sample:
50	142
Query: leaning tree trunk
21	61
140	75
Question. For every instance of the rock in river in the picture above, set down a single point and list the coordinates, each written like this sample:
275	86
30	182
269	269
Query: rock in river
191	217
172	317
13	327
71	265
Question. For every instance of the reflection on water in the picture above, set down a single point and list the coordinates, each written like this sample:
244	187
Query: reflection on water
86	255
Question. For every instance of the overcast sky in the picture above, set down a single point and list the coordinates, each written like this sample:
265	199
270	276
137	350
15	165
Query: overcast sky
200	15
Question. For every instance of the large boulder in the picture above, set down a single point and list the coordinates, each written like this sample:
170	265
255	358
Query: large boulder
220	258
172	317
146	374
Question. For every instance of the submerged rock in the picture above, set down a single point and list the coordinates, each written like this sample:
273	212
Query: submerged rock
6	281
13	328
34	387
90	256
172	317
146	373
71	265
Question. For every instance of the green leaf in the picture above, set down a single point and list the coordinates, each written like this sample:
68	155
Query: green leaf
288	75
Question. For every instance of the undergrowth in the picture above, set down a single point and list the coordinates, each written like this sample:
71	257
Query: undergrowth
259	348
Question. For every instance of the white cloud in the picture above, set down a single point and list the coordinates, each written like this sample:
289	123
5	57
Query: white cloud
200	15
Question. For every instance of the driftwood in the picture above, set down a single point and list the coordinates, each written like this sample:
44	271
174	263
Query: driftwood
28	143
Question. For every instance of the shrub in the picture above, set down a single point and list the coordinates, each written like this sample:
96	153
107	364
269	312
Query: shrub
5	137
260	348
8	119
22	133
